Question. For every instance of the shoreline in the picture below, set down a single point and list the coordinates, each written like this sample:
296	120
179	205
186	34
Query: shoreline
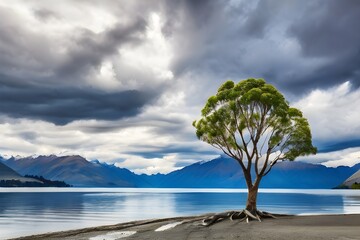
339	226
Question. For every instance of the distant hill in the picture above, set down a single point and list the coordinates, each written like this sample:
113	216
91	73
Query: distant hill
75	170
226	173
218	173
6	173
305	175
10	178
353	179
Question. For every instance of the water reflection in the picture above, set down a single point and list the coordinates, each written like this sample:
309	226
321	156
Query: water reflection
28	213
351	204
25	213
47	201
289	203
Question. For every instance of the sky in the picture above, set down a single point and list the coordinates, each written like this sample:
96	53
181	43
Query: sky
122	81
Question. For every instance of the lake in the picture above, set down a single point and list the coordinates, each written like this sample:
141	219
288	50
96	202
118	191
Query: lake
26	211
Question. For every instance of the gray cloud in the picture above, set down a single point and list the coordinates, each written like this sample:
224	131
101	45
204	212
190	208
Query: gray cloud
329	29
45	14
236	40
90	49
161	151
64	104
38	82
297	46
22	53
28	135
51	72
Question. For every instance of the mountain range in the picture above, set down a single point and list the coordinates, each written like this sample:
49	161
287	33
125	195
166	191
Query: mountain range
221	172
74	170
10	178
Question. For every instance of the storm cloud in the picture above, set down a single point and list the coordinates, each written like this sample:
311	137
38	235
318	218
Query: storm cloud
40	81
295	45
64	105
122	81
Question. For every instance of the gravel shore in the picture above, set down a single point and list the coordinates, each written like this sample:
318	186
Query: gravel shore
287	227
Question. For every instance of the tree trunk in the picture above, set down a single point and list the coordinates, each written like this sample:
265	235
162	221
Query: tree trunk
251	200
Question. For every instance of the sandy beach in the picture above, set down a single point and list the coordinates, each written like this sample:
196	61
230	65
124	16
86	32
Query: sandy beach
287	227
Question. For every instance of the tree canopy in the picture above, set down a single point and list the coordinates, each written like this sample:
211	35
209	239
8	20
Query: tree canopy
253	123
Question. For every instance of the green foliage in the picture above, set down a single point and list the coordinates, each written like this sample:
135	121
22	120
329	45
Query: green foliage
242	118
355	186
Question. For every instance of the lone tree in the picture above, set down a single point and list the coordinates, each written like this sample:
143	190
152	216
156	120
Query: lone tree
252	123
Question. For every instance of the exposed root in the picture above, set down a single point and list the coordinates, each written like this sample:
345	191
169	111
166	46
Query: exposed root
239	215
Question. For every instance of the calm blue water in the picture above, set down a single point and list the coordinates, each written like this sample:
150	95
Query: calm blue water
25	211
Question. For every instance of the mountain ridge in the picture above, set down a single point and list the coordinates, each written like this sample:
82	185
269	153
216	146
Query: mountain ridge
10	178
221	172
7	173
75	169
